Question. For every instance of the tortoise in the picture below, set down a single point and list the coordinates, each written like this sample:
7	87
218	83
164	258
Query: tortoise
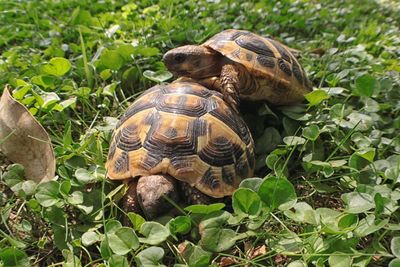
179	138
242	64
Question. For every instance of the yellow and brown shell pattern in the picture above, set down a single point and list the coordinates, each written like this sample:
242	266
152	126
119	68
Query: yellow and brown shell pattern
275	73
187	131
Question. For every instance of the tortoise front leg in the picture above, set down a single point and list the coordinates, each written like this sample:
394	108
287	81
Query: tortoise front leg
230	85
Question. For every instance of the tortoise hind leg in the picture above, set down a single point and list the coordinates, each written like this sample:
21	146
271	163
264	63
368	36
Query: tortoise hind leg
194	196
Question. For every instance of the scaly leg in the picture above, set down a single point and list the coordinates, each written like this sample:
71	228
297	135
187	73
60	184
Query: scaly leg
230	85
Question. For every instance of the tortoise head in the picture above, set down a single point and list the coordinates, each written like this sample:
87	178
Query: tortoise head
193	61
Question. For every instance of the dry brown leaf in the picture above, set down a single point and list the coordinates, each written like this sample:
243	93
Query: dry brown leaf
23	140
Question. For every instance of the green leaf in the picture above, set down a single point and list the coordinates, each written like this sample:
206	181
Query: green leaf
154	232
136	220
84	176
251	183
367	153
369	225
214	237
89	238
195	256
246	202
338	260
204	209
57	66
358	202
158	76
111	59
304	213
394	263
277	193
47	193
395	246
311	132
293	140
316	97
180	225
365	85
118	261
123	241
70	259
150	257
11	257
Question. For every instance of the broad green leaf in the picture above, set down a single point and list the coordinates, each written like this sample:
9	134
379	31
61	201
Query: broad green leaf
11	257
251	183
358	202
204	209
394	263
57	66
47	193
118	261
246	202
293	140
338	260
123	241
154	232
303	213
84	176
395	246
316	97
214	237
150	257
277	193
297	263
311	132
367	153
195	256
89	238
158	76
111	59
180	225
70	260
369	225
136	220
365	85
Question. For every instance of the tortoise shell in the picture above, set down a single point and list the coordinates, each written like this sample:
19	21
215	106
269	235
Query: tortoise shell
267	59
187	131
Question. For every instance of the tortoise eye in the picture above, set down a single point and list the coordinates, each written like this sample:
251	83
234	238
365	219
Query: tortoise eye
179	58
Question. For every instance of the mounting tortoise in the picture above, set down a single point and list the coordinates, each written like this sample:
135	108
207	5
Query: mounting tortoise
242	64
179	138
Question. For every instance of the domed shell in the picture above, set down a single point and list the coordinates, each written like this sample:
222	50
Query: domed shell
187	131
262	57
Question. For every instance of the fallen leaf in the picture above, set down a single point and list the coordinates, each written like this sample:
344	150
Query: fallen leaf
227	261
257	251
23	140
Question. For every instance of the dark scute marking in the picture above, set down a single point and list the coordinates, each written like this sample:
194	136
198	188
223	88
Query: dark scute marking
256	45
297	72
281	89
237	151
284	54
241	168
284	67
200	127
111	151
182	108
127	139
157	146
244	131
170	132
151	117
209	180
249	57
250	158
234	122
121	164
180	162
218	152
236	53
151	160
136	107
227	176
265	61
